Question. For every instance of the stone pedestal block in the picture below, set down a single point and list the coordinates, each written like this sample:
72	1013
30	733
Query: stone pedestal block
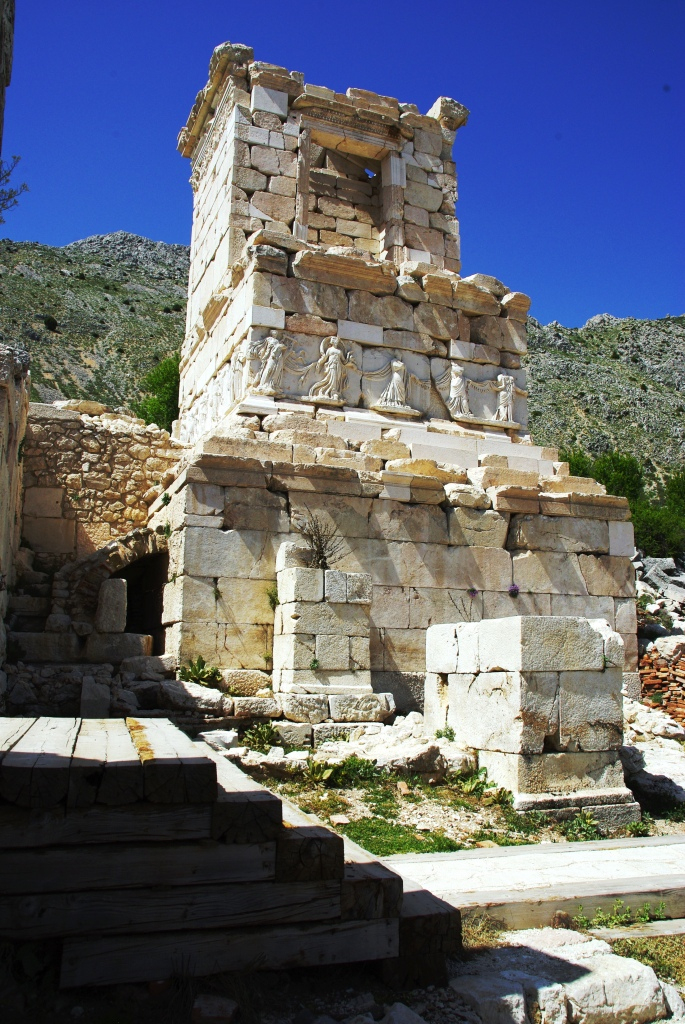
111	611
539	698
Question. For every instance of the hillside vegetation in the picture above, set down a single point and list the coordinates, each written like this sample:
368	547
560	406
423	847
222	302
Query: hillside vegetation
611	385
95	315
99	314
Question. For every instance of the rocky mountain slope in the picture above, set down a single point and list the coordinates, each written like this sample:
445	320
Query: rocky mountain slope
610	385
97	314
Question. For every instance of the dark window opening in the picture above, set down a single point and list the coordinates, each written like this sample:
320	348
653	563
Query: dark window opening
146	579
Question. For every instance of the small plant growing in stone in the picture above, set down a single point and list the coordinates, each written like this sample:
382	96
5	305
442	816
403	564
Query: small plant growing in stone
445	734
322	539
272	596
314	664
474	783
581	829
261	736
166	498
640	829
317	773
200	672
513	590
167	530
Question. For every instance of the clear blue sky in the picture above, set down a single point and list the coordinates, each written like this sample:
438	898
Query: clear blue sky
571	169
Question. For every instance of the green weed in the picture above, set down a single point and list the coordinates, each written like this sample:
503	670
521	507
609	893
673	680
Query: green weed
272	596
640	829
261	736
384	838
619	916
581	829
445	734
665	954
199	671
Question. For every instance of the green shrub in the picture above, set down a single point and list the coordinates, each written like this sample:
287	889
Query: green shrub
160	385
579	463
659	529
620	474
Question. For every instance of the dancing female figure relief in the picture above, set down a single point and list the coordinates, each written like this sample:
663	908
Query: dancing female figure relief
334	361
395	394
506	386
272	355
458	400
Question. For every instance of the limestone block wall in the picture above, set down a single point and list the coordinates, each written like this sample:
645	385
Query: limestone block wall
89	477
14	402
338	331
285	174
440	542
355	170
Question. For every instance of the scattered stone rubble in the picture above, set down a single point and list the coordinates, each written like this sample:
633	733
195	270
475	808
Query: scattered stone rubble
557	976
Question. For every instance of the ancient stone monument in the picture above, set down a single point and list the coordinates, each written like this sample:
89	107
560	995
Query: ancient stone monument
338	370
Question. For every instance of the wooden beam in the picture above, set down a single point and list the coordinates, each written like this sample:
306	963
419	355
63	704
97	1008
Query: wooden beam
149	957
306	850
173	770
35	772
244	811
115	866
132	823
11	731
251	904
105	767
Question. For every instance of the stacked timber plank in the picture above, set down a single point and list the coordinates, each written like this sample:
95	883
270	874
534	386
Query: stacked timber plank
149	854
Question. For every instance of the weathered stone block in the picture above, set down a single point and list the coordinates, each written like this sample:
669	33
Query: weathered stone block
114	647
553	773
507	711
300	585
621	539
110	616
43	502
559	533
187	696
324	618
324	300
336	586
332	652
294	734
256	707
359	588
244	682
372	707
477	528
591	710
435	703
608	575
397	521
309	681
549	572
242	554
299	707
625	614
294	650
539	644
